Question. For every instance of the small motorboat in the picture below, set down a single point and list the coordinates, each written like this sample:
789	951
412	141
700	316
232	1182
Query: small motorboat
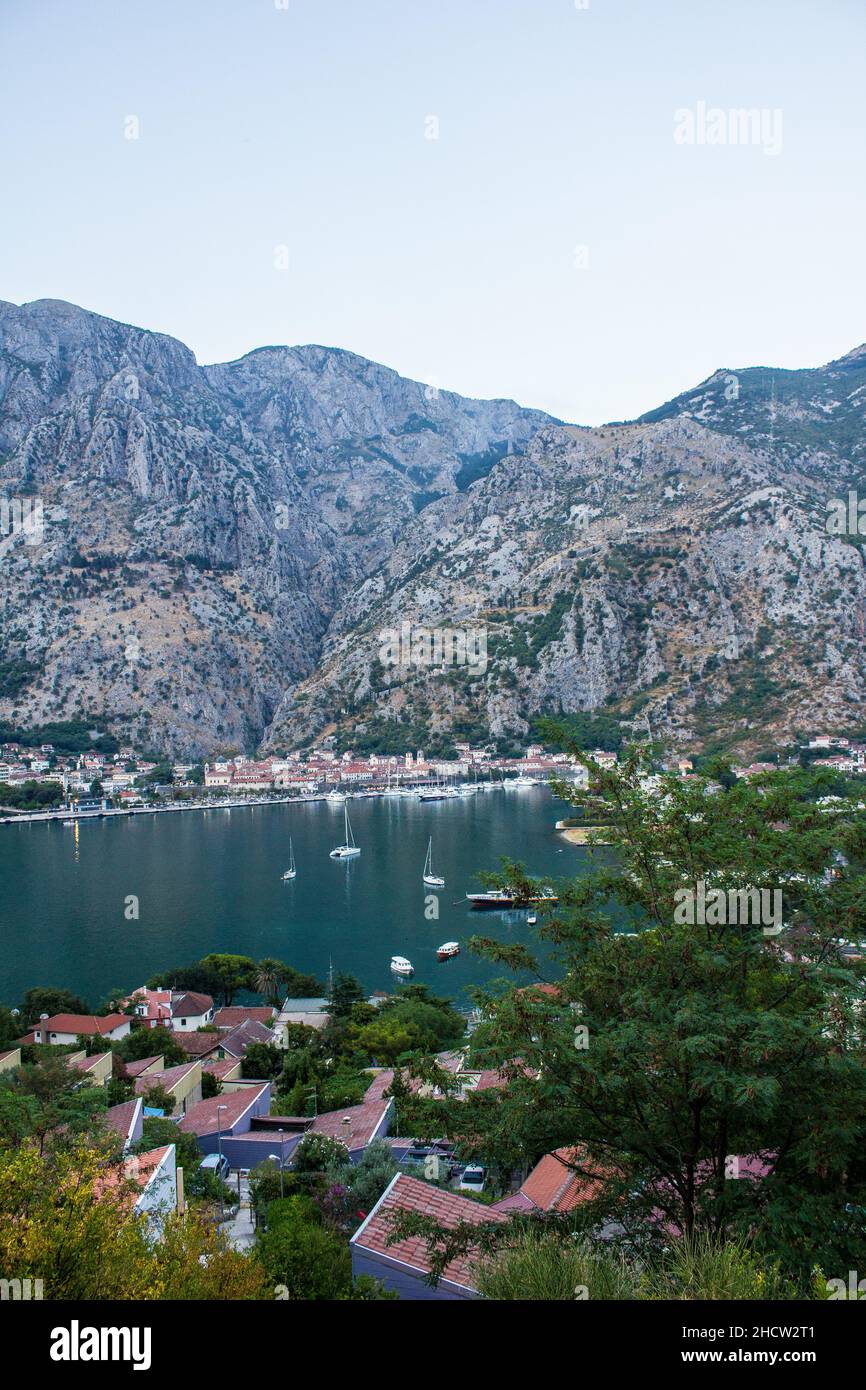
401	966
532	919
447	950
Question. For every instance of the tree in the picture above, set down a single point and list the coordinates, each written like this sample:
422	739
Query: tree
47	999
262	1061
231	973
68	1219
46	1102
319	1152
96	788
210	1085
150	1042
157	1131
689	1054
156	1097
347	992
306	1260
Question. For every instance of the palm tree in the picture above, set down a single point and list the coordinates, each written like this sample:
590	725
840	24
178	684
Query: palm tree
268	977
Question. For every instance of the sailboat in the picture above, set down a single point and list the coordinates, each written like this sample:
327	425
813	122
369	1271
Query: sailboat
432	880
348	850
291	871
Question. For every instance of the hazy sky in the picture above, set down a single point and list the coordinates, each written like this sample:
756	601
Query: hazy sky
306	125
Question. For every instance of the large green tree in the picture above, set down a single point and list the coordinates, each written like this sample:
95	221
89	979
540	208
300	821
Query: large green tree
710	1071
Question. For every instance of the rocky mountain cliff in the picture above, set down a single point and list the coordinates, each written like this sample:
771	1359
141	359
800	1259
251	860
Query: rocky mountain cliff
224	550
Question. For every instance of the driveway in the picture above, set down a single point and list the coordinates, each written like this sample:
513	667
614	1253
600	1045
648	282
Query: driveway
240	1229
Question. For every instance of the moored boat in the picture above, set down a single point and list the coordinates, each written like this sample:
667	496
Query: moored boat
447	950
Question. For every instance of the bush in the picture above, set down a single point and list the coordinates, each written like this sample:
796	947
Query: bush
306	1260
547	1265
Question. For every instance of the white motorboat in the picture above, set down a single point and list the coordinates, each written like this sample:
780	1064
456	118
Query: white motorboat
401	966
447	950
348	850
432	880
291	871
334	795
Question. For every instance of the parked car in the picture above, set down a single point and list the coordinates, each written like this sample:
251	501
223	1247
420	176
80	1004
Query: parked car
473	1179
217	1164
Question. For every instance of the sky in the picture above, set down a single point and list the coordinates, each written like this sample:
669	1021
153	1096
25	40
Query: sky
539	199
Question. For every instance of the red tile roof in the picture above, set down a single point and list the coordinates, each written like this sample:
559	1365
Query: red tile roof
88	1024
121	1118
137	1068
220	1068
85	1063
205	1118
198	1044
364	1119
448	1209
553	1186
168	1078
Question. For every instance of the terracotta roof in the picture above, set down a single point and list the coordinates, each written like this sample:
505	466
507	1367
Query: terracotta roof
122	1117
168	1078
448	1209
85	1063
80	1023
222	1067
191	1005
136	1068
233	1015
553	1186
198	1044
205	1118
365	1119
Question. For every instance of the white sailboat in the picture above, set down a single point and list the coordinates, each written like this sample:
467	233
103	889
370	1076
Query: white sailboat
291	871
349	849
432	880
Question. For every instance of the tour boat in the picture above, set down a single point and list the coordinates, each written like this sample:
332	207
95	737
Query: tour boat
349	849
291	871
432	880
447	950
505	897
401	966
334	795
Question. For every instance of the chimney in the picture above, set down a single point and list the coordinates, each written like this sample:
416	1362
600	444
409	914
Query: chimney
347	1131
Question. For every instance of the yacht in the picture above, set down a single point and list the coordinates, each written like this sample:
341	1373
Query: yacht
401	966
432	880
437	794
348	850
505	897
291	871
335	795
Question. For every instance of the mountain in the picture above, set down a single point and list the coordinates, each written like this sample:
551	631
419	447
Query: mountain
227	550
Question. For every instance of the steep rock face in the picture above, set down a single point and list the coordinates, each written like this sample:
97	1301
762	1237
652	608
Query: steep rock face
224	550
201	525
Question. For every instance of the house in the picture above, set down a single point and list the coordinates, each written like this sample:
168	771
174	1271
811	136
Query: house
152	1183
554	1186
229	1016
68	1028
226	1070
11	1059
152	1006
126	1120
190	1011
201	1045
145	1066
223	1124
358	1125
235	1042
183	1083
405	1265
95	1069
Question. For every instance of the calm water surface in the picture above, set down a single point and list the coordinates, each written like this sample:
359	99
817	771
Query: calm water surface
210	881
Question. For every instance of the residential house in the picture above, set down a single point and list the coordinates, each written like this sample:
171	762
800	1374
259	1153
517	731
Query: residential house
10	1059
554	1186
190	1011
68	1028
229	1016
95	1069
182	1083
152	1007
405	1265
126	1120
223	1124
